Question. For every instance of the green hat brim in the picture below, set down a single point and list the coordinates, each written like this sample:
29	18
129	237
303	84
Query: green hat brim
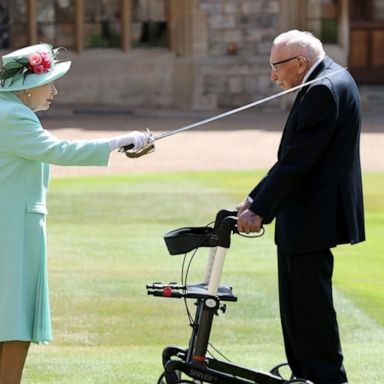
36	80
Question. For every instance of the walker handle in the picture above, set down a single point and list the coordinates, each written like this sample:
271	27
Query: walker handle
227	227
222	214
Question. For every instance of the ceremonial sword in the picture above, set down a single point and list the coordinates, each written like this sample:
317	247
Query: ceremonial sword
150	147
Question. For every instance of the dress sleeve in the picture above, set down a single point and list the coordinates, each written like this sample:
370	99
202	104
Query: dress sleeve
26	138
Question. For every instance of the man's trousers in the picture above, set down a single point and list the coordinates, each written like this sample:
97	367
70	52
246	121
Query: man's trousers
308	318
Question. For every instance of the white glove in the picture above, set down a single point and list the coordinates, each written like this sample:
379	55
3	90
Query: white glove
135	139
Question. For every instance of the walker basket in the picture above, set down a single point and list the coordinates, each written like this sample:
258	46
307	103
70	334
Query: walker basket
184	240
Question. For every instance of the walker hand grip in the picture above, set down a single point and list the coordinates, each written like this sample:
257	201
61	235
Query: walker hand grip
222	214
227	227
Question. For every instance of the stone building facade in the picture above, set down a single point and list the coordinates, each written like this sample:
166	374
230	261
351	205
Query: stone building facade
203	54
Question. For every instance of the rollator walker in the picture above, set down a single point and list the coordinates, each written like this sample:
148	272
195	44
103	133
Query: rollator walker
192	365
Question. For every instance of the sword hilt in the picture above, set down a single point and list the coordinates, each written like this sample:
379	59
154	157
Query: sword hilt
141	152
147	148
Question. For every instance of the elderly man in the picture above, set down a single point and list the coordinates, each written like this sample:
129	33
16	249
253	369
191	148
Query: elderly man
315	193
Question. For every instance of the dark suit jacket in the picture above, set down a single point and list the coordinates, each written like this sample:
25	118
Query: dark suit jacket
314	190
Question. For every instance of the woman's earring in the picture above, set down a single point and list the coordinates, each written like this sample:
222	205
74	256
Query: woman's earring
29	93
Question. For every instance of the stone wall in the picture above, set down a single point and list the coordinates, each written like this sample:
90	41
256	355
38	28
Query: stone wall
217	57
235	70
140	78
223	63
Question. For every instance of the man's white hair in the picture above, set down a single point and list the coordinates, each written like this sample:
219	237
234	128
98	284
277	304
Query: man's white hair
310	45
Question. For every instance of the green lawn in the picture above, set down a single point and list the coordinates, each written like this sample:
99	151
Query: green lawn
105	243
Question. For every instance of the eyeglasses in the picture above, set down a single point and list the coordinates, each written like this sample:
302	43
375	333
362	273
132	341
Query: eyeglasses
275	66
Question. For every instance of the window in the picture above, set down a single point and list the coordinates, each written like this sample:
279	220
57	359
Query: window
55	22
149	26
378	10
13	23
4	25
367	10
323	16
83	24
102	23
359	10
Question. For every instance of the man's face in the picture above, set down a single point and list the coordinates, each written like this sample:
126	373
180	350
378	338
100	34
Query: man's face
288	67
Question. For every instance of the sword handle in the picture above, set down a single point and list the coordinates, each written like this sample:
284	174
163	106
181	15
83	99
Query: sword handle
134	154
147	148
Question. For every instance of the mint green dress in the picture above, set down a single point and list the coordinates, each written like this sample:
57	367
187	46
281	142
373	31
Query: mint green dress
26	150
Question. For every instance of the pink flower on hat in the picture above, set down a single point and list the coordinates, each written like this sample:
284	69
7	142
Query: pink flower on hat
39	62
34	59
45	56
46	60
39	69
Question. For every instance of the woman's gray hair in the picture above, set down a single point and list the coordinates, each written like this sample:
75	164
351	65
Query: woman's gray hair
311	46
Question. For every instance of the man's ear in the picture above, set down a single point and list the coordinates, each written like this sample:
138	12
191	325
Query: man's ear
303	64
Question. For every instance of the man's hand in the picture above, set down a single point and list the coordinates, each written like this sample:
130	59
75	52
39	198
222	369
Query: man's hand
247	222
243	206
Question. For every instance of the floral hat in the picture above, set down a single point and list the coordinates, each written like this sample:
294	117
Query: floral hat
31	67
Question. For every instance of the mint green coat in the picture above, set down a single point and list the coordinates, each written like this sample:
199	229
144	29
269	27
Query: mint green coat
26	150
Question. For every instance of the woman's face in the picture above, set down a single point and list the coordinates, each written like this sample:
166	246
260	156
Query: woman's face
40	98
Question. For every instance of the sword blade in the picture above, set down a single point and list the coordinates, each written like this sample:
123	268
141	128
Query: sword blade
244	107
